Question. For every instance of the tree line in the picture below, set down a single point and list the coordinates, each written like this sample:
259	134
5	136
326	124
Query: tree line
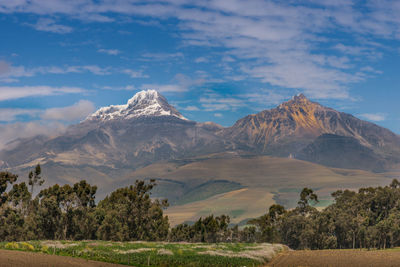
369	218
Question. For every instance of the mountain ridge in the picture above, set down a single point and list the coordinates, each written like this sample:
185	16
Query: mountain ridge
148	129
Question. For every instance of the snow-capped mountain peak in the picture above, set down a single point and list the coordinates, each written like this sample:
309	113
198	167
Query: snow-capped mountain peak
143	103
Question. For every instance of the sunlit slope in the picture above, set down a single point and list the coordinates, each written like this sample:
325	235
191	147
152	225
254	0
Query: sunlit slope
264	171
266	180
239	204
290	128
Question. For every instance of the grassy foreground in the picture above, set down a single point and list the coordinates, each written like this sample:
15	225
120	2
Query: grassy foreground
156	253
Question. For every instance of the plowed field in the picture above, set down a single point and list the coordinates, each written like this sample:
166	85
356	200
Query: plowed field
336	258
10	258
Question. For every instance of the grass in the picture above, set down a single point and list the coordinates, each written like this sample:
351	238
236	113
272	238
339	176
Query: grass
155	253
207	190
253	201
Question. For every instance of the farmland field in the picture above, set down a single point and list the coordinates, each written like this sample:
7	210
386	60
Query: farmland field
153	253
91	253
243	182
336	258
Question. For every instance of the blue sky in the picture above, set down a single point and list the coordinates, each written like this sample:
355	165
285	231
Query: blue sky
215	60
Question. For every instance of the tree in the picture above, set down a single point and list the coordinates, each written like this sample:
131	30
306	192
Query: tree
268	225
307	197
35	178
5	179
135	213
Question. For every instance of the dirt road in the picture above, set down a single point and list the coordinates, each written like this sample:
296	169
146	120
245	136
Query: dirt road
10	258
336	258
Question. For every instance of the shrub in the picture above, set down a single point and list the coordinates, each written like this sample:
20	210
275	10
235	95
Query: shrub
26	246
12	245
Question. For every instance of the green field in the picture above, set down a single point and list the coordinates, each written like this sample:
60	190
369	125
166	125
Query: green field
155	253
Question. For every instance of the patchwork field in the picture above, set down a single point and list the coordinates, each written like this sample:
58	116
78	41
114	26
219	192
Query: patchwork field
140	253
235	203
261	181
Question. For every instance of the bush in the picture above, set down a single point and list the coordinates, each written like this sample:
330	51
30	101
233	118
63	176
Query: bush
26	246
12	245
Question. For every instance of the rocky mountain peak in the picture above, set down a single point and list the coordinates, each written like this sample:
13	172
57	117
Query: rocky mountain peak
143	103
296	101
146	97
299	98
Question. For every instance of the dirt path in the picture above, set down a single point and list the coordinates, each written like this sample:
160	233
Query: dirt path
336	258
10	258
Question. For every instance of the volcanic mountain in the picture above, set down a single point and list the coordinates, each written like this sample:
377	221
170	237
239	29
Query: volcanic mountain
306	130
143	104
145	130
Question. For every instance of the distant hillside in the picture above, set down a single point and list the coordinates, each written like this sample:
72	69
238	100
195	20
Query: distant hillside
341	152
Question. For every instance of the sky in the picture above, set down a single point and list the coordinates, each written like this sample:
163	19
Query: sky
214	60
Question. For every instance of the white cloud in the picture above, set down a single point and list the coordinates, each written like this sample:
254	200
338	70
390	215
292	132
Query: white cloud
373	116
4	67
371	70
135	73
90	68
216	102
75	112
50	25
201	60
317	83
129	87
13	131
165	87
228	59
113	52
15	92
162	56
180	83
191	108
9	73
264	98
257	100
219	115
260	32
52	121
119	88
11	114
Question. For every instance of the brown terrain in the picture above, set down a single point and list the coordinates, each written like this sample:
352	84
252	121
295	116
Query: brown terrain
303	258
336	258
10	258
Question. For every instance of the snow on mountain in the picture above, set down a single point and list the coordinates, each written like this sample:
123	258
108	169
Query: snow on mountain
143	103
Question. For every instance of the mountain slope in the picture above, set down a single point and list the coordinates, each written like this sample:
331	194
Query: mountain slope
145	130
341	152
293	125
